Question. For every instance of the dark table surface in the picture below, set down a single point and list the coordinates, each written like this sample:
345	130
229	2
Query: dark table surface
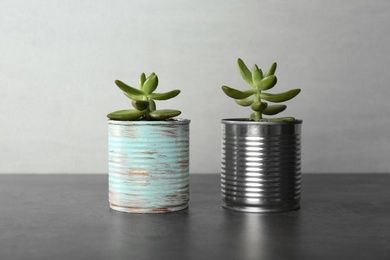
67	217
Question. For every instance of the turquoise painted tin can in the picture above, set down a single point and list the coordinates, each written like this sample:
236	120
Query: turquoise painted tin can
148	165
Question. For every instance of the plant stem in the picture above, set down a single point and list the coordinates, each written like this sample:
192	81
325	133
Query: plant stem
258	114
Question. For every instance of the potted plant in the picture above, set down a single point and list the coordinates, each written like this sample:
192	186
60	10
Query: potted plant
148	153
261	157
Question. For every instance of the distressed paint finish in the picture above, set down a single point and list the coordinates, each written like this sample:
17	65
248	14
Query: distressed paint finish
261	165
148	165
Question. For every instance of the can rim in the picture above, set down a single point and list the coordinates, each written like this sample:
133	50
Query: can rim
176	121
246	121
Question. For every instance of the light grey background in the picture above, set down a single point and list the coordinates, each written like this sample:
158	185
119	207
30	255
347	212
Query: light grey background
58	61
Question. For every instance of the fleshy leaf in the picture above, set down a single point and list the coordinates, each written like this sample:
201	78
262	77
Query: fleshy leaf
142	80
267	82
164	114
280	119
281	97
152	105
150	84
244	71
133	97
164	96
237	94
126	115
252	116
244	102
127	89
259	106
274	109
271	70
140	104
257	75
255	116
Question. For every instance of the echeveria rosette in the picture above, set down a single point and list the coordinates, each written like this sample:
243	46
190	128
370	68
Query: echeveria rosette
143	101
254	96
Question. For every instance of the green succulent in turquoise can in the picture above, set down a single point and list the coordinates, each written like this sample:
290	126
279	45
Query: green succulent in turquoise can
256	96
143	101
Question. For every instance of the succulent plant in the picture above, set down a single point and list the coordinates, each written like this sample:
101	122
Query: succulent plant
143	101
254	96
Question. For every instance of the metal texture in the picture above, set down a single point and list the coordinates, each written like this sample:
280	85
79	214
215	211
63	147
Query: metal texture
148	165
261	165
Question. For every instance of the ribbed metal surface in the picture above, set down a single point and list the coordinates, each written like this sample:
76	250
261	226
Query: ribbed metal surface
148	165
261	165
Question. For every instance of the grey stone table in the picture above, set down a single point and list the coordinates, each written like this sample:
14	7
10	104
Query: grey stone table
67	217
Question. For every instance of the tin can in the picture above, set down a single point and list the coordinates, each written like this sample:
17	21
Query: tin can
148	165
261	165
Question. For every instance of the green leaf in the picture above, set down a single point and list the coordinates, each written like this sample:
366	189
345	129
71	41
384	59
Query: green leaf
255	116
237	94
126	115
281	119
259	106
150	84
271	70
281	97
142	79
133	97
267	82
252	116
152	105
164	96
140	104
244	102
257	75
164	114
127	89
244	71
274	109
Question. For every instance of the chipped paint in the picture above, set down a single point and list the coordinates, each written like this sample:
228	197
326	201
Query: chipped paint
138	172
148	165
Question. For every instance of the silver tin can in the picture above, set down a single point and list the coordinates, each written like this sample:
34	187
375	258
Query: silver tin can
261	165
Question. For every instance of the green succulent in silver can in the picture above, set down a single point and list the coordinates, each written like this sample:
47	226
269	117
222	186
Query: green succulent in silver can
143	101
256	97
